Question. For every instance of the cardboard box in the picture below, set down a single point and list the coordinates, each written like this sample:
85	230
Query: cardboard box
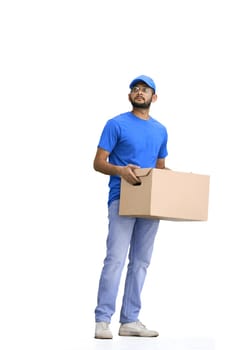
167	195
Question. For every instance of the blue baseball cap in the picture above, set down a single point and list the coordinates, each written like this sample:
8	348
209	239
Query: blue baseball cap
145	79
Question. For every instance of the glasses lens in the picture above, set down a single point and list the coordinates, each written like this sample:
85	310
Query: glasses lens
143	89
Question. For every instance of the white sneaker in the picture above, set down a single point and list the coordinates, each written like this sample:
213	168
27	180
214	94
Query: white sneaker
136	329
102	331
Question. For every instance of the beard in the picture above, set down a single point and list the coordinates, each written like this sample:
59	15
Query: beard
142	105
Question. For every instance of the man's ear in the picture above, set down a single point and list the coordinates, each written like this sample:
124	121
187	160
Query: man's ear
154	98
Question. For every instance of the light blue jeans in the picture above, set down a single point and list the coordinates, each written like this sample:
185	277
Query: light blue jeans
134	236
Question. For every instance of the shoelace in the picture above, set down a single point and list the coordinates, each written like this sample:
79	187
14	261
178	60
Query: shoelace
140	324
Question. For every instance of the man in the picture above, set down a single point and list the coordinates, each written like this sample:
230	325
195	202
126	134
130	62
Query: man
128	141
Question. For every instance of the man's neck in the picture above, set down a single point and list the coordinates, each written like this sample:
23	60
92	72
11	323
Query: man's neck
141	113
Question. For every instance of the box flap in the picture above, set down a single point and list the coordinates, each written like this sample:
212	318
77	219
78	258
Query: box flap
142	172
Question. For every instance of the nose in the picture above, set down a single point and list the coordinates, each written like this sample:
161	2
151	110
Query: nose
140	92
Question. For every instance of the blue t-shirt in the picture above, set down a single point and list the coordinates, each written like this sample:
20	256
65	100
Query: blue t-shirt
131	140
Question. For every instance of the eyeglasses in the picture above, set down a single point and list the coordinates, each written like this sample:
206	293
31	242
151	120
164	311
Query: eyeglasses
143	89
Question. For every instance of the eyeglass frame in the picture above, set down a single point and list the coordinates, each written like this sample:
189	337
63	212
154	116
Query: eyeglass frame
144	89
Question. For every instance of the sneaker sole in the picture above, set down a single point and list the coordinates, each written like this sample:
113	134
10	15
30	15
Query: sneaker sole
133	334
103	337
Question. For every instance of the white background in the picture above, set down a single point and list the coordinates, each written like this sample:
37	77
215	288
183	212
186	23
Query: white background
65	69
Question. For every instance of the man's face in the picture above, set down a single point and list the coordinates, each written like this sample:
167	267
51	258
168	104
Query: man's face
141	96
